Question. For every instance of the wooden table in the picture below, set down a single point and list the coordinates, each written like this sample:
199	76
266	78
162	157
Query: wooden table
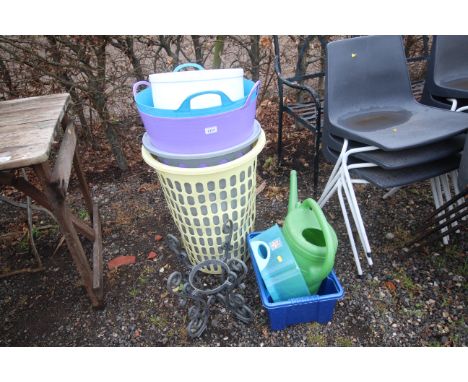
28	127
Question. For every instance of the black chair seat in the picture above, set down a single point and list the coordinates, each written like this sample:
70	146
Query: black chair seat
460	84
399	128
406	158
397	178
305	112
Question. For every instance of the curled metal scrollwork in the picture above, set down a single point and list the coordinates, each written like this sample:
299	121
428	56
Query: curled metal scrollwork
185	286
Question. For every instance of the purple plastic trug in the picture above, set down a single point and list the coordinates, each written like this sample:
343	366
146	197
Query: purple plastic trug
202	134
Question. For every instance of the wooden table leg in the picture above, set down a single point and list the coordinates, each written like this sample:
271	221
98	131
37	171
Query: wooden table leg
24	186
98	279
83	185
64	217
79	172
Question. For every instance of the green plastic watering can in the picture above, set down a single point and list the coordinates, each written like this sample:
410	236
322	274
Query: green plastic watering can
312	240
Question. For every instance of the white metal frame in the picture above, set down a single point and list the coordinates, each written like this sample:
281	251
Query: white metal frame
454	174
340	180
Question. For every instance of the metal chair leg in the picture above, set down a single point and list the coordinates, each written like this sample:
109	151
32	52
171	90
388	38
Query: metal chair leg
440	222
456	189
354	204
316	161
334	176
349	230
330	192
357	216
340	183
447	192
280	134
440	201
391	192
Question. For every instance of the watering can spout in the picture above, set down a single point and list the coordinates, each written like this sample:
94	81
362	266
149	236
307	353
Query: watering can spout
293	197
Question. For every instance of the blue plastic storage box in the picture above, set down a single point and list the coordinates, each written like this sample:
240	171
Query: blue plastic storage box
316	308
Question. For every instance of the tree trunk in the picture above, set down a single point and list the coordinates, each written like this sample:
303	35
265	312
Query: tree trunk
7	78
323	49
198	49
79	111
136	64
301	65
302	48
218	51
254	54
113	138
77	103
100	102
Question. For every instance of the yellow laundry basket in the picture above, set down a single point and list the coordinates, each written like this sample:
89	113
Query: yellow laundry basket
201	200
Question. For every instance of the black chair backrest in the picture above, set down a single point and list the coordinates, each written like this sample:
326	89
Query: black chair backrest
304	45
366	73
449	58
277	55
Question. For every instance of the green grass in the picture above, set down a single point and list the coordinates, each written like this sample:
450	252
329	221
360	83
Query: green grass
35	232
133	292
83	214
455	337
434	343
449	254
344	342
462	269
158	321
402	234
142	279
314	337
446	302
416	313
405	281
24	244
269	164
171	333
440	261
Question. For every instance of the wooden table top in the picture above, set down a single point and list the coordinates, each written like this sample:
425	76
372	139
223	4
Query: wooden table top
28	127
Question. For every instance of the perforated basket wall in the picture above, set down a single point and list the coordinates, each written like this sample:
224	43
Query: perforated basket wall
201	200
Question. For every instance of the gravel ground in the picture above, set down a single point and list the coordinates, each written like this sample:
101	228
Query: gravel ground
415	298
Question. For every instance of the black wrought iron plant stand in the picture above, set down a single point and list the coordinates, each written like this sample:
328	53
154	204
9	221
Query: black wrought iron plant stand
184	286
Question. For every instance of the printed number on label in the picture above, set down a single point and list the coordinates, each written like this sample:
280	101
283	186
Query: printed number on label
211	130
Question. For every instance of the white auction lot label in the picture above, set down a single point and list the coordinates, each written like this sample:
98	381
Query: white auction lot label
211	130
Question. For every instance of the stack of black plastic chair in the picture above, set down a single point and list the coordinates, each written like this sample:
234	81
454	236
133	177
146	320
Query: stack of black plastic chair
376	132
446	83
446	87
446	219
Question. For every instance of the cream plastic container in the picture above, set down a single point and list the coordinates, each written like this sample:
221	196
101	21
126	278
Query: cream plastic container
169	90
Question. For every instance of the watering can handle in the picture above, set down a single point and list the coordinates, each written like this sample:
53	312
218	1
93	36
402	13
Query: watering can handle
188	65
260	260
330	255
136	85
185	106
